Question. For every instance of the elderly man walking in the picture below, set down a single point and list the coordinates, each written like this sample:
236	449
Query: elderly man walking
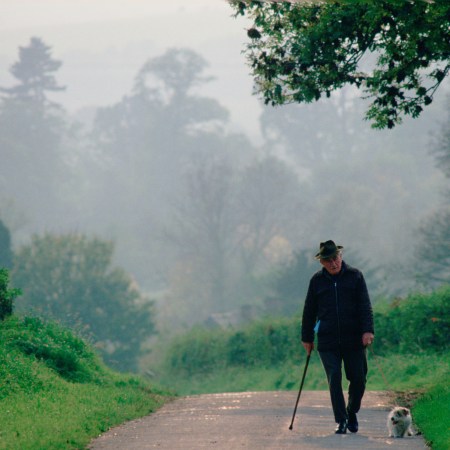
338	308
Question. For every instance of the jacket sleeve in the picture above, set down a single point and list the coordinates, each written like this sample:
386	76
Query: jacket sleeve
365	307
309	314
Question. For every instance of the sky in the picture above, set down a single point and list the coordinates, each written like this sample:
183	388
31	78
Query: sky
103	44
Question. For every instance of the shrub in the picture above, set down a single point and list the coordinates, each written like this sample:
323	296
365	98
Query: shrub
263	343
198	351
418	322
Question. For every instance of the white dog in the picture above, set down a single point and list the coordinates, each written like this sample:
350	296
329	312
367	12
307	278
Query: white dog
399	422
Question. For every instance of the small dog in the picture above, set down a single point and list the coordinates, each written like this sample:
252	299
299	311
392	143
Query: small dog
399	422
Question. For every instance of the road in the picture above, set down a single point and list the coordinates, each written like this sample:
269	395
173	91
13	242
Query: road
255	420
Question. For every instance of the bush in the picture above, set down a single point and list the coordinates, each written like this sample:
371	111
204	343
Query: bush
263	343
418	322
198	351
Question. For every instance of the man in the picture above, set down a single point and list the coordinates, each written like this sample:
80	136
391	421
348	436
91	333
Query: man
338	308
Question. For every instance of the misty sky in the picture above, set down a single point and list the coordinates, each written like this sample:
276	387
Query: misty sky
104	43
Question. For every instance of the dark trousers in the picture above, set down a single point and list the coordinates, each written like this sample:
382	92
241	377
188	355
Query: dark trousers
355	366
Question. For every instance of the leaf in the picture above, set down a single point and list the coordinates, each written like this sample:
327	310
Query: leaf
421	91
253	33
278	91
439	75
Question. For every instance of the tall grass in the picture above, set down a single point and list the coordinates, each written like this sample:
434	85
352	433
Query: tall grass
55	393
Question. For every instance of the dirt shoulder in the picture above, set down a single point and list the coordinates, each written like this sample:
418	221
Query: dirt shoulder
256	420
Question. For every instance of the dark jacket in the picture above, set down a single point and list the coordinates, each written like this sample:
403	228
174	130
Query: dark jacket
342	306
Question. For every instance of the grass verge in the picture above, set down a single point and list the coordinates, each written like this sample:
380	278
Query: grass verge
55	393
431	413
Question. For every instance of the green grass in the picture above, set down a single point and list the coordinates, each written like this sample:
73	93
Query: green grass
431	413
420	381
240	379
417	372
393	372
68	416
55	393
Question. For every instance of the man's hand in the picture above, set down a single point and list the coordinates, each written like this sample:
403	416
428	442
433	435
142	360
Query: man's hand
309	347
367	339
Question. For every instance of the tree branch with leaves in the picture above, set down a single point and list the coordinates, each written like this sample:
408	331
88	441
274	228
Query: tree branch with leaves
395	51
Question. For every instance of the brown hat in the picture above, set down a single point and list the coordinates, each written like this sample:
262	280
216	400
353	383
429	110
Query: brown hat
328	249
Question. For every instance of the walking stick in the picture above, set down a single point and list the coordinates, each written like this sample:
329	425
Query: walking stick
300	390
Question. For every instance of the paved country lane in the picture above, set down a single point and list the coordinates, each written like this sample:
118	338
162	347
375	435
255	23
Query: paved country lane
255	420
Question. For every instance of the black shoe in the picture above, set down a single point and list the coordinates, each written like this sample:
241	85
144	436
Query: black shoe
352	423
341	427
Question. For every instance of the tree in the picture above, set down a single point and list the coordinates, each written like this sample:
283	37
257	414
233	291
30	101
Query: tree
31	130
289	284
34	71
232	225
7	295
315	134
70	278
148	141
433	249
170	79
6	254
203	230
150	124
395	51
441	148
269	201
144	138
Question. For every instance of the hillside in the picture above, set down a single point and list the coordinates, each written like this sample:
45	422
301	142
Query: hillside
55	393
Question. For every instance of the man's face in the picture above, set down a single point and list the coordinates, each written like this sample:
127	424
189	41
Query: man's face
332	265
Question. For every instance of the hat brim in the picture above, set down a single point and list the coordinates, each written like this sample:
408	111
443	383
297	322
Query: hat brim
319	256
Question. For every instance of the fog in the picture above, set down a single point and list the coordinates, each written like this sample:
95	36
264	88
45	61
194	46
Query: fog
103	44
162	148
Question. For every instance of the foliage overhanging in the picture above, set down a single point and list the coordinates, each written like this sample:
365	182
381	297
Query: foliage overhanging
396	52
